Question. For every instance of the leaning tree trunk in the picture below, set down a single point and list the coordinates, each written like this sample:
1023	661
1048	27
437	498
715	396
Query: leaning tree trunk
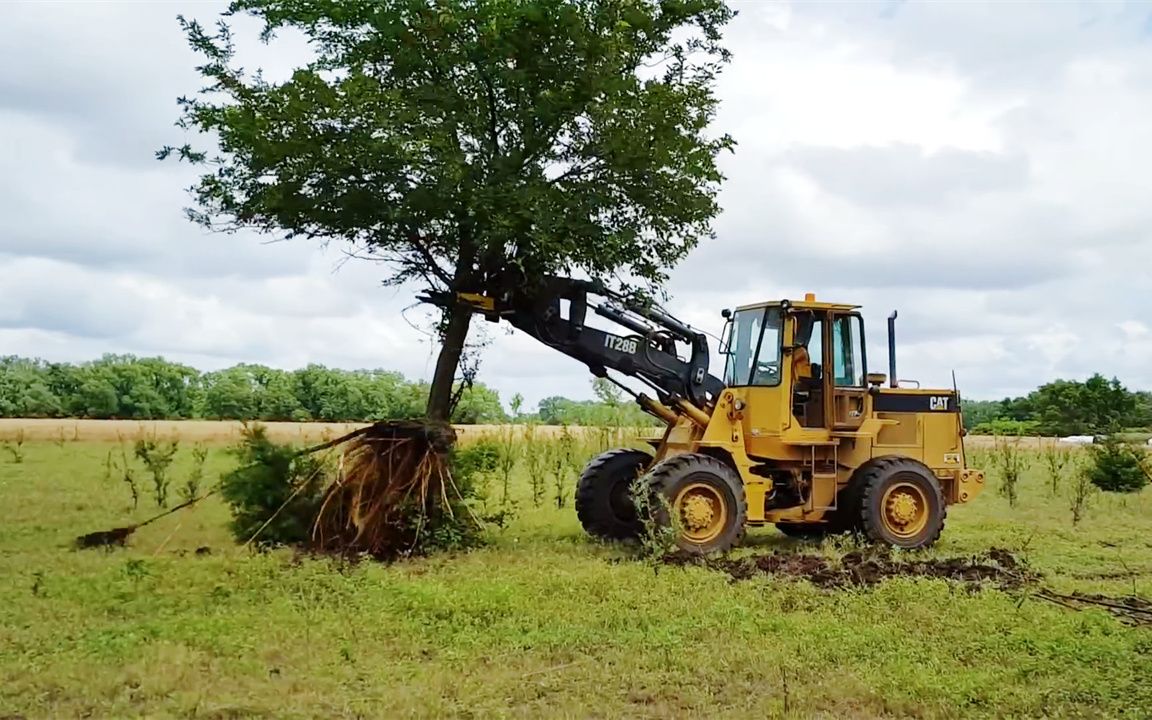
440	394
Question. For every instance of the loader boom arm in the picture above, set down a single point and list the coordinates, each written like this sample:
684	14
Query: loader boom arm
554	312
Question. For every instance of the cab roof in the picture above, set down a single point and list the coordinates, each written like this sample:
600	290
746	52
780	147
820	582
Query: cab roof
808	303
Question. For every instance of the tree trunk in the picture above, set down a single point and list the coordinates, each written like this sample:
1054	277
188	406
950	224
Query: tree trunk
440	394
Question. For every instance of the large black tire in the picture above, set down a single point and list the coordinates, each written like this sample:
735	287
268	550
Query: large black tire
705	496
604	494
901	503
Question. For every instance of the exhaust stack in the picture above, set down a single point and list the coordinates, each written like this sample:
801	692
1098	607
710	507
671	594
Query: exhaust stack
892	382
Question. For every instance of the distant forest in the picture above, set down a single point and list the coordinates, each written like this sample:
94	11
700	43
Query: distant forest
136	388
1064	407
142	388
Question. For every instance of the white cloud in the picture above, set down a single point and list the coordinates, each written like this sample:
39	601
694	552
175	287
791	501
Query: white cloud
981	167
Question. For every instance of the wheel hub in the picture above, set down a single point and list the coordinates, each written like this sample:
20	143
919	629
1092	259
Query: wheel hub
902	507
905	509
697	512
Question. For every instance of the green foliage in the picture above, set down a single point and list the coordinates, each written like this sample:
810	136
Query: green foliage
79	630
1080	494
190	490
15	446
1064	407
1056	459
473	145
506	463
1010	462
157	456
128	476
127	387
1006	427
1116	466
535	463
274	495
562	461
495	134
558	410
472	466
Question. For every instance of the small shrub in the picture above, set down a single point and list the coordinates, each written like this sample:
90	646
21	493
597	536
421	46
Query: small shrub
109	467
1002	426
15	446
536	462
274	495
157	458
1010	462
1080	493
506	464
129	476
657	540
472	468
560	461
1115	466
1056	459
190	490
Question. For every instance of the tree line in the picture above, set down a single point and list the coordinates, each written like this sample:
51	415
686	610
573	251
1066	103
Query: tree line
152	388
1095	406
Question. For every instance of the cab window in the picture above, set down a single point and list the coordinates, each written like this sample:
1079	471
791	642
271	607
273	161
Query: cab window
848	351
754	348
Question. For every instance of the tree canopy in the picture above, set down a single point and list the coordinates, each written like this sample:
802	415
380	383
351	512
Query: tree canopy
462	141
128	387
1064	407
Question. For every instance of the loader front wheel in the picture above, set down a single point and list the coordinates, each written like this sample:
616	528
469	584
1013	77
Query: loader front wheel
901	503
701	499
604	494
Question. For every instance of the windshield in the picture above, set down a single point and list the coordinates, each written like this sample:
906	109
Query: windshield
754	348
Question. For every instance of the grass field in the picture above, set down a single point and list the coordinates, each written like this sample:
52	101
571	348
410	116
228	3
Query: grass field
544	622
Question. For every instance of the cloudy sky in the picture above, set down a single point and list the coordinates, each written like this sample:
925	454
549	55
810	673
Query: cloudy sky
984	168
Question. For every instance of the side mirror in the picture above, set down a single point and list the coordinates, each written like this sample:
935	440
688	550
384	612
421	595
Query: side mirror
876	379
726	313
725	335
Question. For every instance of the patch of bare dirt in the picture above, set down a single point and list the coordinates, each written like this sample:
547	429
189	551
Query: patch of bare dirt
862	568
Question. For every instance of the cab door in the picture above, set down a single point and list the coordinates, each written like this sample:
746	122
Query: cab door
846	362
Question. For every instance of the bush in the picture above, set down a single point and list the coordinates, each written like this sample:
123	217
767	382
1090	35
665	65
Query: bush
274	495
1002	426
472	467
1118	467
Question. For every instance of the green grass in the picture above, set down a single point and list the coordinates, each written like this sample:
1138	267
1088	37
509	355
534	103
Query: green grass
543	623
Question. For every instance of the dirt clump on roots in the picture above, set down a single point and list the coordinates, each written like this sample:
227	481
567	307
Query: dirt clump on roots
393	494
863	568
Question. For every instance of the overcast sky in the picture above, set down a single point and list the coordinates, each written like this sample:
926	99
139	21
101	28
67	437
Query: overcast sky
981	168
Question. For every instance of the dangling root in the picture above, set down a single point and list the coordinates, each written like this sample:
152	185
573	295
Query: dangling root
393	487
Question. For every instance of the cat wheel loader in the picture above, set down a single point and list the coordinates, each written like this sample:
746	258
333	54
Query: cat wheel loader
797	433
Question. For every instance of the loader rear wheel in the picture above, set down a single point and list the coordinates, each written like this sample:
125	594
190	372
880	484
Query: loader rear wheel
702	499
604	494
901	503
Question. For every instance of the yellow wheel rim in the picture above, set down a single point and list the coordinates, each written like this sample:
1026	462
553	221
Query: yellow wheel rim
701	511
905	509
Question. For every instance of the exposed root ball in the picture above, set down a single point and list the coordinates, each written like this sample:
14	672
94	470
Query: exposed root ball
393	493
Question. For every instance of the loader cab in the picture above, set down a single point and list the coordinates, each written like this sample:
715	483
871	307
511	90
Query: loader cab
801	364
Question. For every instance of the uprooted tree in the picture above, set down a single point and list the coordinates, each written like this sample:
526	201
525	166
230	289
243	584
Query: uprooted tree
458	139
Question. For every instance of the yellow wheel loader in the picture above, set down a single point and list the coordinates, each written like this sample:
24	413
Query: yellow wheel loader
797	433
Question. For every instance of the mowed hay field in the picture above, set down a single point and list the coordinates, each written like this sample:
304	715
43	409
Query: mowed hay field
542	623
